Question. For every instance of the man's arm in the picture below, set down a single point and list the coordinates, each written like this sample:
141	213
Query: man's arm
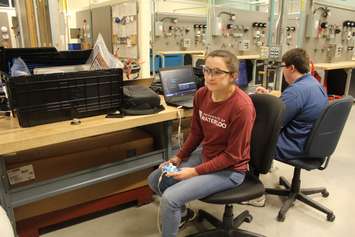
292	106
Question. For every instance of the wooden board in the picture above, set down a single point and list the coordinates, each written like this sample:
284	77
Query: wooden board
250	57
337	65
13	138
182	52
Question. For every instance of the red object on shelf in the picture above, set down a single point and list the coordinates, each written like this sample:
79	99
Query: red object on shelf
334	97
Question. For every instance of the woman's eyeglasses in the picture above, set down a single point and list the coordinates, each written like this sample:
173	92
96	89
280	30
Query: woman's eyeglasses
214	71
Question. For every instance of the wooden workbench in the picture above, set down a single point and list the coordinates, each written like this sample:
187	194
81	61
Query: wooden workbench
346	65
248	57
13	138
335	65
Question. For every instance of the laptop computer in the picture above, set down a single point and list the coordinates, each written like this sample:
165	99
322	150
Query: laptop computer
179	86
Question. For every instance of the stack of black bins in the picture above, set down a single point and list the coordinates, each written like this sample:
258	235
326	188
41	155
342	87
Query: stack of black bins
47	98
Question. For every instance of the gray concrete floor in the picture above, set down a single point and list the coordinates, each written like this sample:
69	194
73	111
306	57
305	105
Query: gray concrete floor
301	220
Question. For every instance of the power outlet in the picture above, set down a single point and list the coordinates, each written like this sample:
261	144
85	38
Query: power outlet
264	52
244	45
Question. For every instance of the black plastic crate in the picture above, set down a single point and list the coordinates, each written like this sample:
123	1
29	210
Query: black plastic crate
7	55
46	98
41	57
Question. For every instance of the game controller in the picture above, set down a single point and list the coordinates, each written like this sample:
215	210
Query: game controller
170	168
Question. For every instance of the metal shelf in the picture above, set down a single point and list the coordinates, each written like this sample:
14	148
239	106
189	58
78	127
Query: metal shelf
42	190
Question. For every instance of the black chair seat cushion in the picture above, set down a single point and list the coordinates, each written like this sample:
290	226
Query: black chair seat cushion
305	163
251	188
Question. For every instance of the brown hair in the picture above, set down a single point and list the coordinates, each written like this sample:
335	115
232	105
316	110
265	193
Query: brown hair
229	59
297	57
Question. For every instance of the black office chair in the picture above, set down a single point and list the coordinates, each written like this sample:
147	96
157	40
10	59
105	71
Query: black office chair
319	147
266	129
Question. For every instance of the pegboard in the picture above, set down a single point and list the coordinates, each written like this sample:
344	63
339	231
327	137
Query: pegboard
125	29
240	31
326	38
179	32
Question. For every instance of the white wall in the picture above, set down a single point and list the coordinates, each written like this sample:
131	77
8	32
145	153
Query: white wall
58	29
144	29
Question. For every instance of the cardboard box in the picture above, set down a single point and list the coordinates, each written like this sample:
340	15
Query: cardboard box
54	161
85	144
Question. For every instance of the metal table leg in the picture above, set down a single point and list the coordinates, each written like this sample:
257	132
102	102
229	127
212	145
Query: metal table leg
322	79
167	133
254	72
162	56
348	79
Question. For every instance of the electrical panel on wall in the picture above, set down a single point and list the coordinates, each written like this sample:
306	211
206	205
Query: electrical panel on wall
178	32
240	31
330	34
125	30
5	38
291	31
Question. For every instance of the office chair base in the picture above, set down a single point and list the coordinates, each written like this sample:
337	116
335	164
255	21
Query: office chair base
223	233
228	227
293	192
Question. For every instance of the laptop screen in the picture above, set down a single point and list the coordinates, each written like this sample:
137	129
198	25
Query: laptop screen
178	81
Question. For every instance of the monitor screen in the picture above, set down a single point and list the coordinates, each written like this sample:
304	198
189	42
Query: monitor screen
178	81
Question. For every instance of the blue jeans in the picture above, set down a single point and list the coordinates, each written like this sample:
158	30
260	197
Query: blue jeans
174	198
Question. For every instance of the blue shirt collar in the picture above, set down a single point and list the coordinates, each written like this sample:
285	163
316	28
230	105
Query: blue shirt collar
302	77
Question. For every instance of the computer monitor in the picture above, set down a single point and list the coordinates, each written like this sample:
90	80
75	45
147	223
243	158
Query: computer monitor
178	81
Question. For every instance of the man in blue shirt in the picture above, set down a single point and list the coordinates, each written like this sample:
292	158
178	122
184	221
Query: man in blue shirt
304	101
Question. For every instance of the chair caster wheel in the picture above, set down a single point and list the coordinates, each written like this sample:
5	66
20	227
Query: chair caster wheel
330	217
281	217
248	219
325	194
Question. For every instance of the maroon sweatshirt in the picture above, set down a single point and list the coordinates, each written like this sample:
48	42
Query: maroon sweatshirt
224	128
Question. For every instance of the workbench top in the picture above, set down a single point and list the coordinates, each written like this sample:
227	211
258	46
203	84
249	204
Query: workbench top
14	138
335	65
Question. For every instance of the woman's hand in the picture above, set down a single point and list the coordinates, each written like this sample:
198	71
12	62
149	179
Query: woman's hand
174	160
184	173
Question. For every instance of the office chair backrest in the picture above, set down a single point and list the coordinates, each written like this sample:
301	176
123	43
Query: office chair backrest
326	131
269	111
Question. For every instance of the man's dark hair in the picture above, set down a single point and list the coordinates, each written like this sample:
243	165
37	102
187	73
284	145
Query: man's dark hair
298	58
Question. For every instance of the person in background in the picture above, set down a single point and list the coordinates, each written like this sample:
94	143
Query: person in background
222	121
304	100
